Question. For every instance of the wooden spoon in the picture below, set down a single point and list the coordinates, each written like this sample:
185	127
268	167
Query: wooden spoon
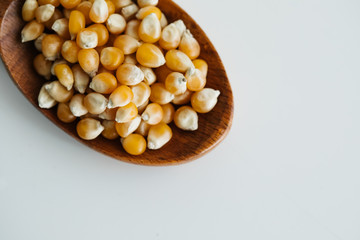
183	147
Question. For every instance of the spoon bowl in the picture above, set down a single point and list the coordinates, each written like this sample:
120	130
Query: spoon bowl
184	146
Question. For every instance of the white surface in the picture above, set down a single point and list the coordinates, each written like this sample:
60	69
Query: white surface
289	169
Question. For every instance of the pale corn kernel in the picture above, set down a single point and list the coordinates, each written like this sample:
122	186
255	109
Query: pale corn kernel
130	59
42	66
178	61
153	114
129	11
58	61
163	21
149	75
31	31
127	44
57	15
170	37
108	114
134	144
85	7
180	26
56	3
186	118
158	136
58	92
189	45
142	107
44	99
119	4
61	27
201	65
102	32
162	72
51	46
143	128
81	79
29	9
159	94
145	11
205	100
129	74
38	41
76	23
169	112
64	114
195	79
99	11
126	113
116	23
104	83
70	51
144	3
120	97
132	28
89	128
150	29
176	83
125	129
111	58
182	98
111	6
65	75
77	106
141	93
44	13
89	61
95	103
109	131
87	39
69	4
150	56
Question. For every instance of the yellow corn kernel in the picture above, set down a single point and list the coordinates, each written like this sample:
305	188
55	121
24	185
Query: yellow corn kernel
89	61
162	72
182	98
76	23
150	56
195	79
127	44
44	99
158	136
129	11
58	92
104	83
59	61
99	11
141	93
153	114
55	3
61	27
31	31
150	29
95	103
145	11
42	66
51	46
108	114
57	15
109	131
116	23
143	128
69	4
64	114
104	70
111	6
38	41
129	74
169	112
125	129
132	28
201	65
29	9
70	51
175	83
159	94
77	106
87	38
44	13
134	144
102	32
189	45
205	100
119	4
126	113
130	59
178	61
120	97
149	75
89	128
142	107
163	21
65	75
186	118
85	7
170	37
81	79
111	58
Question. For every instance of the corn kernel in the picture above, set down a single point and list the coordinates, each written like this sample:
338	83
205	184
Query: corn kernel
108	114
109	131
182	98
65	75
201	65
130	59
180	26
176	83
150	56
120	97
102	32
129	11
76	23
141	93
77	106
126	44
44	13
64	114
85	7
61	27
70	51
66	13
69	4
145	11
55	3
31	31
119	4
111	58
38	41
57	15
89	61
126	113
143	128
81	79
132	28
99	11
169	112
89	128
58	61
104	70
158	136
42	66
205	100
104	83
163	21
111	6
144	3
170	37
189	45
149	75
29	9
134	144
116	23
162	72
178	61
87	39
159	94
125	129
195	79
186	118
129	74
150	29
95	103
44	99
58	92
51	46
153	114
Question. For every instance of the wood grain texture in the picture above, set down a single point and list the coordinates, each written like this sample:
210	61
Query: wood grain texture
184	146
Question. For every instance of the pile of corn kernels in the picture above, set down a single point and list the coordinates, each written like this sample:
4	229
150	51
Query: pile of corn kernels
101	57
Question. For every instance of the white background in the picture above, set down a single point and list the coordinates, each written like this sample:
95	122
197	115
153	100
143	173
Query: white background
289	168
